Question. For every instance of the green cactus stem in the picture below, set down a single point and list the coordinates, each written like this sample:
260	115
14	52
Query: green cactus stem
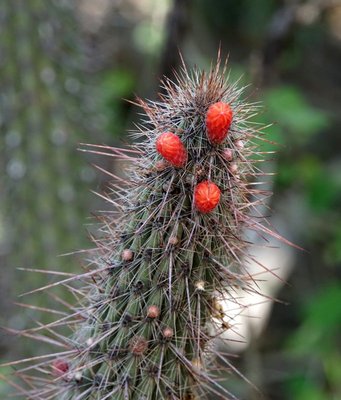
150	307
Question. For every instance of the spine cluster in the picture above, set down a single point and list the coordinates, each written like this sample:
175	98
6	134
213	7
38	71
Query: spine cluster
170	252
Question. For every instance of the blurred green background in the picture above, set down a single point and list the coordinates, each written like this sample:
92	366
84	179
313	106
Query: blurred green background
66	68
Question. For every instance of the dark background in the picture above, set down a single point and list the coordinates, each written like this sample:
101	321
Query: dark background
65	68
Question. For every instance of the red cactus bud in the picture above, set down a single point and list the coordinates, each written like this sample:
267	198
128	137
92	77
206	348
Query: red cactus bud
206	196
60	367
172	149
218	121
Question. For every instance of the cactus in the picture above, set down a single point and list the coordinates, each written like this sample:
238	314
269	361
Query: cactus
170	252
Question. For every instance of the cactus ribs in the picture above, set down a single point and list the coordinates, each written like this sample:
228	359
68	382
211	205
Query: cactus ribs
169	253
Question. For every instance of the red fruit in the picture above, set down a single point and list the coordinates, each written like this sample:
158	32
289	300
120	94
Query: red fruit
60	367
218	121
172	149
206	196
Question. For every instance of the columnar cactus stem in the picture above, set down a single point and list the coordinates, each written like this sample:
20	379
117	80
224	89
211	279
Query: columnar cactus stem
171	252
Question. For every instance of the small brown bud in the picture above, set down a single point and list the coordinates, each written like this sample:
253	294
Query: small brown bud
168	332
200	285
233	168
228	154
216	304
189	396
153	312
173	240
59	367
239	144
225	325
196	363
218	311
161	165
199	171
127	255
138	345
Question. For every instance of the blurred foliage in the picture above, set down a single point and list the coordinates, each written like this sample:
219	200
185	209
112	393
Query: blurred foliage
316	345
46	111
292	114
148	37
293	122
116	85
